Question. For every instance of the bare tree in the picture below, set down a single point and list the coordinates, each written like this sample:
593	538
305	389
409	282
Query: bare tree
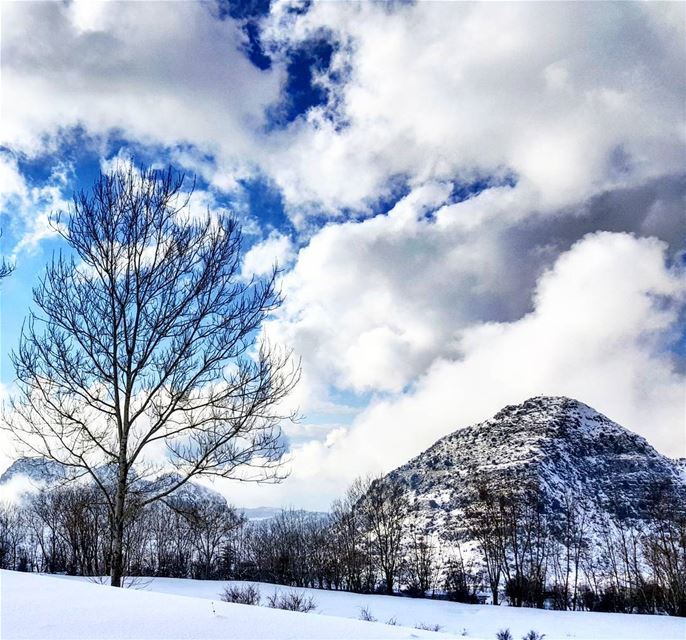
526	542
486	526
664	550
568	550
420	557
145	345
5	267
347	528
385	508
211	521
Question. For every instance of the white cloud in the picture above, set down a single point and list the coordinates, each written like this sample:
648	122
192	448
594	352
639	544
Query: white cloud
7	449
12	183
28	207
572	98
157	73
370	305
275	250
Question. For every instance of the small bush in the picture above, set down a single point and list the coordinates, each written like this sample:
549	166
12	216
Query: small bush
503	634
392	621
366	615
428	627
460	585
414	591
292	601
249	594
533	635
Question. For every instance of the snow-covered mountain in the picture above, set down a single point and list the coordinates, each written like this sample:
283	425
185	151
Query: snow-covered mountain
38	470
25	476
262	514
567	448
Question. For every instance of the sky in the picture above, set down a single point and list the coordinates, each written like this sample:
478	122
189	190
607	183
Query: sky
472	203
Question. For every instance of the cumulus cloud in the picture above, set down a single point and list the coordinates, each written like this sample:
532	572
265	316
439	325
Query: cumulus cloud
572	98
370	305
157	73
29	207
275	250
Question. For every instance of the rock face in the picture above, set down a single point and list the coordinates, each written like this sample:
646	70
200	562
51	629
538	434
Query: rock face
564	446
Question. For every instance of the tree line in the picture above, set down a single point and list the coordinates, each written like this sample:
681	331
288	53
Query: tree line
559	554
506	546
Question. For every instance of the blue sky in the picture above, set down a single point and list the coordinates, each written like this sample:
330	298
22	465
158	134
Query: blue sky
473	204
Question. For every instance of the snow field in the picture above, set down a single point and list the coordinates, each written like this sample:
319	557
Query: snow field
478	622
40	607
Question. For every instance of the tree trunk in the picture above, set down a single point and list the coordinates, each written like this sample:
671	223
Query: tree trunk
118	530
389	583
117	552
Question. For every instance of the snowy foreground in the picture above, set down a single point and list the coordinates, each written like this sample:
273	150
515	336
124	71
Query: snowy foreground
44	607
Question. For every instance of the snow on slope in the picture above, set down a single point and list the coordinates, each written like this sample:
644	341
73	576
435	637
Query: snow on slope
47	608
475	622
564	446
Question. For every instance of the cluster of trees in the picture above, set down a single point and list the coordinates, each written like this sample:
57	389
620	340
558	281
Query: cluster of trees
358	547
373	541
367	543
555	555
66	530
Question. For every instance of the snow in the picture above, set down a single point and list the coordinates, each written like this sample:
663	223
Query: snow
47	608
458	620
481	622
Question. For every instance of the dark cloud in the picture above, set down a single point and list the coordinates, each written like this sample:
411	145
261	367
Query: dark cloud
529	247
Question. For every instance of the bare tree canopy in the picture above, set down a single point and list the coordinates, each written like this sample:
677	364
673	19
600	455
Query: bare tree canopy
5	267
143	353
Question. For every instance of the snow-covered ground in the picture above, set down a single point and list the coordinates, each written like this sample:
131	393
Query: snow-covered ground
47	608
192	617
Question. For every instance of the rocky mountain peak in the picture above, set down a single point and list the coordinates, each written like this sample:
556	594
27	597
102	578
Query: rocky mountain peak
563	446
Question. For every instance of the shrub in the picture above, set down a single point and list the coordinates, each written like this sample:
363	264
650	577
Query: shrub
414	591
533	635
503	634
459	585
366	615
249	594
292	601
428	627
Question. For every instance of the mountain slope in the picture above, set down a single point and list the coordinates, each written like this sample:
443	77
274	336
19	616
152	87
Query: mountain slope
563	446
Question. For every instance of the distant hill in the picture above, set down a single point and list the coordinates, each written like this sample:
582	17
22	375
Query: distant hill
27	475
